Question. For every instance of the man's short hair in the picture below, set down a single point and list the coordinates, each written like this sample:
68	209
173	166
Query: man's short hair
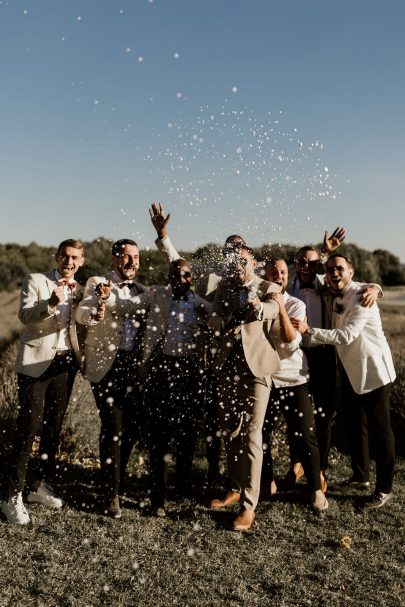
70	242
234	240
308	247
117	247
175	264
348	260
244	247
273	260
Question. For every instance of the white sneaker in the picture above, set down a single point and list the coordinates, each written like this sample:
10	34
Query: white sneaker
44	495
14	510
378	500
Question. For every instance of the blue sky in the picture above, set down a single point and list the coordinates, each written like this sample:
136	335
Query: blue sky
276	120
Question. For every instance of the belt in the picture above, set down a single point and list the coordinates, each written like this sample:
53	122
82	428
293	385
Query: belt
63	352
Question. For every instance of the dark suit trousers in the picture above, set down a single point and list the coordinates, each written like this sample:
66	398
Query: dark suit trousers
295	404
42	405
322	384
119	401
174	395
213	430
368	416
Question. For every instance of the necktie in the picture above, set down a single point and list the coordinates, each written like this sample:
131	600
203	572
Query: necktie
311	286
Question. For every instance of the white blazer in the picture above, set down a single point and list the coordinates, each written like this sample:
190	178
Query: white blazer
38	341
360	342
103	337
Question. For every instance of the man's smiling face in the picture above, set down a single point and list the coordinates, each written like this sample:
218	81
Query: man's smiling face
339	273
69	260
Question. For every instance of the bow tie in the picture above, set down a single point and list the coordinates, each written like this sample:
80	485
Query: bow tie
311	286
127	283
66	283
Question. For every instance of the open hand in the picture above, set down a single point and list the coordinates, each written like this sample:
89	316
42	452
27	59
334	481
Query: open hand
333	242
158	219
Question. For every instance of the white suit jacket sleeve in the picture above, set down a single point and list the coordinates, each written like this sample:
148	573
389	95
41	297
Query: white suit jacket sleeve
167	249
88	306
31	310
344	336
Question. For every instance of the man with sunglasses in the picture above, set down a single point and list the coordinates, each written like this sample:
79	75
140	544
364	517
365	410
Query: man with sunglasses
210	273
243	313
367	373
173	361
207	276
308	285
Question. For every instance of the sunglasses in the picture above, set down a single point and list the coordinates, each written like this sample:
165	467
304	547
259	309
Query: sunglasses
332	269
186	274
302	262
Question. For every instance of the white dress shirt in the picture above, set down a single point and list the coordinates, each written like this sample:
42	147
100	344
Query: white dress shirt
293	362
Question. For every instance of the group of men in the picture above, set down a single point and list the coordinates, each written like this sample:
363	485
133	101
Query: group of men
246	345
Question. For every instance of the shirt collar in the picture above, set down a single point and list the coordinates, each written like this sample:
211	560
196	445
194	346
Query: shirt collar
59	277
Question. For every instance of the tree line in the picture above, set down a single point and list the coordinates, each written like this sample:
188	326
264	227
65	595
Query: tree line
16	261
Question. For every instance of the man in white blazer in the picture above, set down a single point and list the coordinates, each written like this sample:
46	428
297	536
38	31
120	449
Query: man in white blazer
176	340
307	283
367	374
112	356
48	359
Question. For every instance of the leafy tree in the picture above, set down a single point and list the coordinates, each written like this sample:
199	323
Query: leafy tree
389	266
16	261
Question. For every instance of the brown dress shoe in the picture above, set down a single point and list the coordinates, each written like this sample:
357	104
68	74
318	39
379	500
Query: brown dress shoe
293	476
231	498
268	490
113	508
244	520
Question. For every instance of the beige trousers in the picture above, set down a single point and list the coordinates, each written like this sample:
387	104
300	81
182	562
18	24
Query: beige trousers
242	405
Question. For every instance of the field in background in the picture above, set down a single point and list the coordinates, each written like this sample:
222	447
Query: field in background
77	557
9	323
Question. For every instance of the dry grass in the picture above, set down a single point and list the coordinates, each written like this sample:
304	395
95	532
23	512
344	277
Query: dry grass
9	323
77	558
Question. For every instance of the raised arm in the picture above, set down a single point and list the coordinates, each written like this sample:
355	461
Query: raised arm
163	242
333	242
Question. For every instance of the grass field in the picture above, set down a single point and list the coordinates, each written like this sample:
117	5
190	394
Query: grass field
77	557
9	323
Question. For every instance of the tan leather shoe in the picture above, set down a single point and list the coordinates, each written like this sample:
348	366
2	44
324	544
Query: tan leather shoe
244	520
319	501
268	490
293	476
232	497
